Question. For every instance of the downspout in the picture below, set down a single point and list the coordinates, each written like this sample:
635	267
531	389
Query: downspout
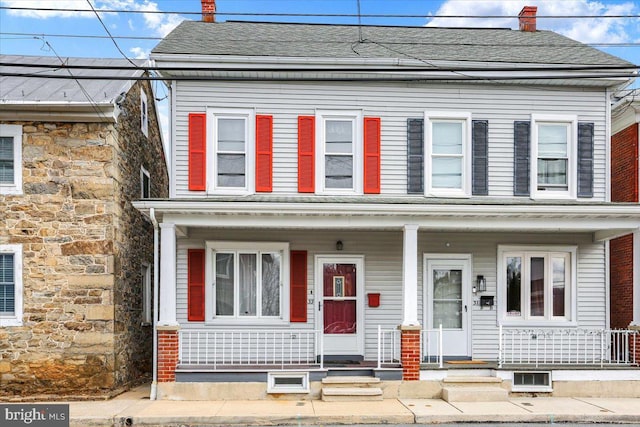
154	382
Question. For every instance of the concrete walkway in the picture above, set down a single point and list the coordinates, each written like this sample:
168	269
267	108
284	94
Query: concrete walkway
134	408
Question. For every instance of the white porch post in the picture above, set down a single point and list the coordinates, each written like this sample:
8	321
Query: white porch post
167	315
410	276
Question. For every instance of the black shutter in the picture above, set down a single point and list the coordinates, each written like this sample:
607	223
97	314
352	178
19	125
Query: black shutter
521	157
415	156
585	159
480	160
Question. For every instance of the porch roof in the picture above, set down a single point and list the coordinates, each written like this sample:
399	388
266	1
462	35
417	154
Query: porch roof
603	220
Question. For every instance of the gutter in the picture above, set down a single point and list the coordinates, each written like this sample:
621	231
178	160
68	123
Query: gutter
154	382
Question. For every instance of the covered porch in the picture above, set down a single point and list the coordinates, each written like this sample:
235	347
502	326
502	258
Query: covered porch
394	241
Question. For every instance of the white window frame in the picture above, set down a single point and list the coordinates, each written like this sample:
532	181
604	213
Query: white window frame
144	173
15	132
147	311
448	116
212	247
571	121
144	113
213	115
16	318
571	299
356	117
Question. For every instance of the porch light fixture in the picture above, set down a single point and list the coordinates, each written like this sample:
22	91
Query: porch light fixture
339	245
481	284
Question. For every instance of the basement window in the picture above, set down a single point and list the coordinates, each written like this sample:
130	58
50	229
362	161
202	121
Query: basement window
288	382
532	381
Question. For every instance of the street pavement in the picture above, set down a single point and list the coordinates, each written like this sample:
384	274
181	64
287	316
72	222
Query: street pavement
134	408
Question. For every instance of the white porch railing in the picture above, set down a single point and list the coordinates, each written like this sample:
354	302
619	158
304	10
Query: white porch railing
388	346
431	346
549	346
250	347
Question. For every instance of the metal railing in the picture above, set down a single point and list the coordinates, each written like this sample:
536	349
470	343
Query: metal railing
567	346
250	347
431	350
388	346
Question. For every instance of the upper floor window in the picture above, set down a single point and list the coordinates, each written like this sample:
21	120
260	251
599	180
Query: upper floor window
10	285
553	156
339	154
144	113
10	159
448	146
537	285
145	183
232	153
248	280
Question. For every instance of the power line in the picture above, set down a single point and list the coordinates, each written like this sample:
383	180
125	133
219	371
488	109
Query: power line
92	36
321	15
110	36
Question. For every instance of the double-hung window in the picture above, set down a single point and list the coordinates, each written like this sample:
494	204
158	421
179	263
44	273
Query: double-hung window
249	280
553	159
10	285
448	146
144	113
145	183
10	159
339	153
232	153
537	285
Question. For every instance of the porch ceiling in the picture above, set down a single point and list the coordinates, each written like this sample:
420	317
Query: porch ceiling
604	220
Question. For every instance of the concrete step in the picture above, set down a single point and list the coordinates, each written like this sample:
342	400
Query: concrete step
474	394
351	394
464	380
350	381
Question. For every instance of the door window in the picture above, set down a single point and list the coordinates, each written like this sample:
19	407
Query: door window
339	292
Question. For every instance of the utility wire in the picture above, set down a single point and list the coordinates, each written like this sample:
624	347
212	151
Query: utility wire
326	15
110	36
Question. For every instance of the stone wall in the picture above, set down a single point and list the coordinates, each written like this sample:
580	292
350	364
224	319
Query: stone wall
134	234
83	244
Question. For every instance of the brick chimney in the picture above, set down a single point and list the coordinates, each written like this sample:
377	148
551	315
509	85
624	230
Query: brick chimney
527	18
209	10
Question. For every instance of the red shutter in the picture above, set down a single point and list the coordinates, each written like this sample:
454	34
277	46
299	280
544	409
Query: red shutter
195	283
197	151
306	154
372	155
264	154
298	287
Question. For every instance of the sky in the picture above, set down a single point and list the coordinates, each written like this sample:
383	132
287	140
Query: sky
86	31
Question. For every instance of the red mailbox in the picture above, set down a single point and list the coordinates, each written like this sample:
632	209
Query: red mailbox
374	299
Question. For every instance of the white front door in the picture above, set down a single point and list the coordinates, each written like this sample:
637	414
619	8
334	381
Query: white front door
339	291
448	295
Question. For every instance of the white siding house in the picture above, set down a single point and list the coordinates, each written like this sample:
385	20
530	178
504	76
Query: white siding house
336	188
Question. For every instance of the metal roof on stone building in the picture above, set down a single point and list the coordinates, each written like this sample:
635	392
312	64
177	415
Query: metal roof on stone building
492	45
27	88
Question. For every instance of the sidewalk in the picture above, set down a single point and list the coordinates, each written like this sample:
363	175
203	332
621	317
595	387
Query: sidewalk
134	408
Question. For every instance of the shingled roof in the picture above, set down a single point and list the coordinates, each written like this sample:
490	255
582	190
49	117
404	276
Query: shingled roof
425	44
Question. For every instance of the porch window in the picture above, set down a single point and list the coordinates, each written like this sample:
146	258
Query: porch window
248	280
448	146
537	285
339	157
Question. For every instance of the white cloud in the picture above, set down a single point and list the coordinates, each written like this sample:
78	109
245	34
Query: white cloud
586	30
160	23
140	53
49	4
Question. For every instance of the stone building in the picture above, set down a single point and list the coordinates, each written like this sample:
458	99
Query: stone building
76	259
